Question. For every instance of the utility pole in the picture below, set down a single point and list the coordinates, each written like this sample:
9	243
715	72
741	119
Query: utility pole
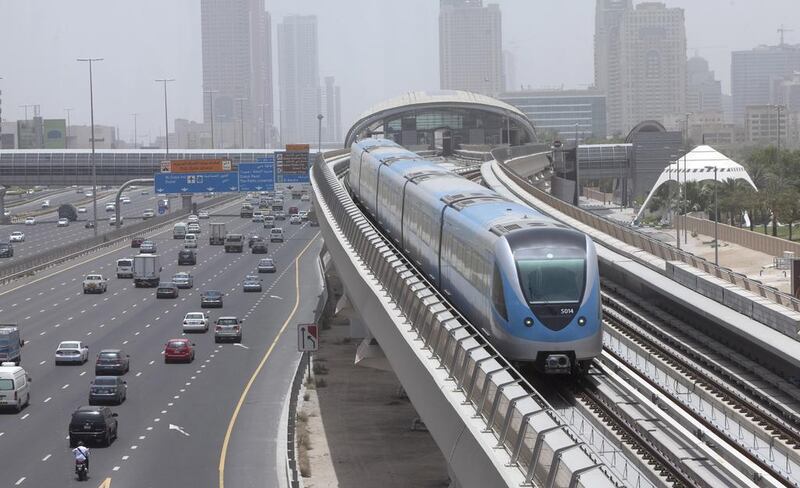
166	116
94	161
135	131
66	138
241	118
211	108
319	132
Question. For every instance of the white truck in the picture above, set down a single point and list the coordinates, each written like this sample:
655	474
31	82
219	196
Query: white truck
146	270
95	283
217	234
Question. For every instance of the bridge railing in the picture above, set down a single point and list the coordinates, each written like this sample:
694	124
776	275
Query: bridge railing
533	435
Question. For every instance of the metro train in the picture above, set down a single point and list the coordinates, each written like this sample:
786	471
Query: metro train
529	283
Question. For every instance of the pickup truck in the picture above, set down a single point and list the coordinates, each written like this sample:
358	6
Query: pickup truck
95	283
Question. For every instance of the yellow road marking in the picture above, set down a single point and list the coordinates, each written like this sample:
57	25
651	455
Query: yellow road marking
105	484
224	452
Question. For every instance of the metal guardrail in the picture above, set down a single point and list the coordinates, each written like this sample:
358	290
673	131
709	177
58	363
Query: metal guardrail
653	246
292	468
46	259
511	410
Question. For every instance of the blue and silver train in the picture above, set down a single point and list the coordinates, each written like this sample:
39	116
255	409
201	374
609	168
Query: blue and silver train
528	282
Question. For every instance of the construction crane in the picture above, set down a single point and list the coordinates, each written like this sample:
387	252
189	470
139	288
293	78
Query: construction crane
782	30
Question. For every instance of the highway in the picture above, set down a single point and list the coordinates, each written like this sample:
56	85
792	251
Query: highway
45	235
177	417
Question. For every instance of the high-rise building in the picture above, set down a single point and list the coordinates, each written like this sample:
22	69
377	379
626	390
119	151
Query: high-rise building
237	66
703	91
568	114
510	70
298	68
640	61
753	74
333	111
607	53
765	124
470	47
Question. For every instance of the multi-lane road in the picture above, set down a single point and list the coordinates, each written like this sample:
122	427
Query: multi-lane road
182	424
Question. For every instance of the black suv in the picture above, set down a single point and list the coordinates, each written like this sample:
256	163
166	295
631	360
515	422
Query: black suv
259	247
6	250
112	361
187	256
92	424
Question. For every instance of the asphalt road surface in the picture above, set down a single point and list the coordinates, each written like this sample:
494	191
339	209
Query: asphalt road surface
176	424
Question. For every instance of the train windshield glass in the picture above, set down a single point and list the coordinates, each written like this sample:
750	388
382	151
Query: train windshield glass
552	280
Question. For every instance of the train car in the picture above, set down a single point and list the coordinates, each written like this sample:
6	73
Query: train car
529	283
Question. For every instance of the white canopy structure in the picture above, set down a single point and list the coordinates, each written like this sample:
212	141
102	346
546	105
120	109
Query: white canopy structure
699	165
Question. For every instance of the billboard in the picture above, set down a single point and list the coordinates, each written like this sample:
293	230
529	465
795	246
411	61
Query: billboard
55	133
196	166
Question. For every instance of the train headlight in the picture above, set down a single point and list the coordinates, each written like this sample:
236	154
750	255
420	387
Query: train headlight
581	321
528	322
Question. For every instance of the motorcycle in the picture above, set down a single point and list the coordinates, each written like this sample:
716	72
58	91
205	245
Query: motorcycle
81	470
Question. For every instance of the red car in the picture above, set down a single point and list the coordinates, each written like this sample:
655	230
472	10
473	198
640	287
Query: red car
179	350
137	241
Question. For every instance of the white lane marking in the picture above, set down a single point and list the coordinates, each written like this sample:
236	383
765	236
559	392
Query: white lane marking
57	326
134	447
82	373
46	457
163	412
124	342
27	318
138	374
47	399
170	404
125	458
151	362
276	297
149	428
65	386
240	345
25	416
19	481
115	468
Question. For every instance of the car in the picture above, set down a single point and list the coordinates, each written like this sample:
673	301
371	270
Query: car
211	298
193	228
147	247
266	265
259	247
253	239
251	283
203	215
293	211
92	424
193	218
125	200
187	257
16	236
195	322
88	194
228	329
136	242
46	204
183	280
108	389
280	215
295	220
113	220
94	283
167	289
190	241
144	192
112	361
179	350
125	268
89	224
276	234
30	220
269	221
110	207
81	209
62	223
258	216
303	215
148	214
71	352
304	197
6	250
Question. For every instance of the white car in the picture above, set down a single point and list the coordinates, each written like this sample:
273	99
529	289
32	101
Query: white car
305	198
81	209
30	221
148	214
203	214
113	220
16	236
88	194
46	204
126	200
72	352
295	219
190	241
193	218
63	223
110	207
195	322
193	228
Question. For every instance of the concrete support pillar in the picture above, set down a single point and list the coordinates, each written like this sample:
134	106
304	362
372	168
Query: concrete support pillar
186	202
345	311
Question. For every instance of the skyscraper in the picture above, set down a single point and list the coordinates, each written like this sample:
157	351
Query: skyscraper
298	67
703	91
333	111
754	72
237	65
470	47
640	61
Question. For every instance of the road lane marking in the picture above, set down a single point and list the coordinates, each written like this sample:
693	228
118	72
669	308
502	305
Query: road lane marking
46	457
226	441
47	399
19	481
25	416
65	386
106	483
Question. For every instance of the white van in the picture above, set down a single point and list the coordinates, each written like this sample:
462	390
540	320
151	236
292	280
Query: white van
179	230
190	241
276	234
15	389
125	268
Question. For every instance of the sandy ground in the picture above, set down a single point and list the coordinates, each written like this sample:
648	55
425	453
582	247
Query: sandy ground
360	428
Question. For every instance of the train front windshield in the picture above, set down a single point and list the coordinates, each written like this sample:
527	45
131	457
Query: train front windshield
552	279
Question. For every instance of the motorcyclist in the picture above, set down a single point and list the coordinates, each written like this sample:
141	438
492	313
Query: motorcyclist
81	454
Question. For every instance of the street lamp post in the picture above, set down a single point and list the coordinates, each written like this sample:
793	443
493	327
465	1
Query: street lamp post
94	163
166	113
241	119
66	137
211	109
319	132
135	131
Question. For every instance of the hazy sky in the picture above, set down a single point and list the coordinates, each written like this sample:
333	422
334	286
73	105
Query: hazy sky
376	49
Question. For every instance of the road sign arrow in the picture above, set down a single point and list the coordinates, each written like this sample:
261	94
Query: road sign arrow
178	428
238	344
184	189
159	190
233	188
259	188
210	188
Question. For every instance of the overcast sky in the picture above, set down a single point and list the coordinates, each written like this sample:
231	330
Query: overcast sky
376	49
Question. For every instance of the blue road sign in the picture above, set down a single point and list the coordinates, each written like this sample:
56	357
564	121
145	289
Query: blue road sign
296	178
258	176
196	182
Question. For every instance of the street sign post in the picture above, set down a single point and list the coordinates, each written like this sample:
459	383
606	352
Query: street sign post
196	182
307	337
258	176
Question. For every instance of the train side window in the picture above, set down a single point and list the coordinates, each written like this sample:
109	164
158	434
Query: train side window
498	297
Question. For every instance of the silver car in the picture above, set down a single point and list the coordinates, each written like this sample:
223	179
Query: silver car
183	280
195	322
